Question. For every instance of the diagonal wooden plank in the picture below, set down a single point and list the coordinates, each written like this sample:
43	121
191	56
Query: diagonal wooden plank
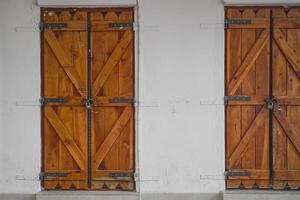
251	131
289	53
112	61
64	59
289	130
112	136
248	63
65	137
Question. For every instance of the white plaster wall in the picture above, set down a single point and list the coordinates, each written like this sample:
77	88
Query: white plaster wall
181	116
20	80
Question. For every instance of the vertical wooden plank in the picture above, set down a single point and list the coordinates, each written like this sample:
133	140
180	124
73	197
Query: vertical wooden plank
293	89
126	89
279	73
234	46
262	89
111	88
248	88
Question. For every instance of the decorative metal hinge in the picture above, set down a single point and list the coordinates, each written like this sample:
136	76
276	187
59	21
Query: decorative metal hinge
121	100
44	175
53	25
44	101
236	21
236	173
120	175
237	98
120	24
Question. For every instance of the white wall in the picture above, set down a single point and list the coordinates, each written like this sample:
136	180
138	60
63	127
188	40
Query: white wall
20	127
181	116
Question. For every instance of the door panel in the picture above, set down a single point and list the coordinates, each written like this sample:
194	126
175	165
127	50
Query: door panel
247	66
247	125
112	122
64	123
65	74
286	88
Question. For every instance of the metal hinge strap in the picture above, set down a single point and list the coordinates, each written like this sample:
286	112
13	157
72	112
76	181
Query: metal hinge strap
121	100
53	25
117	175
236	173
237	98
44	100
120	24
236	21
44	175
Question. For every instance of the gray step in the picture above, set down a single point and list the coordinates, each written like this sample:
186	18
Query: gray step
260	195
86	195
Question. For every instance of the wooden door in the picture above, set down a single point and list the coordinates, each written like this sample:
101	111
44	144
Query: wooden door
247	87
286	90
259	157
87	70
112	93
64	119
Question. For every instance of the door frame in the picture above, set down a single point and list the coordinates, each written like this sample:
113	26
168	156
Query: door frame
136	67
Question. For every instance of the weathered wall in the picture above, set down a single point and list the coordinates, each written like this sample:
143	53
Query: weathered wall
262	2
180	76
20	84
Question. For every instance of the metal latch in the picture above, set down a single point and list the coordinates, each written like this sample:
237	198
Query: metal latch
118	175
121	100
120	24
236	173
44	175
271	102
88	103
236	21
53	25
237	98
44	101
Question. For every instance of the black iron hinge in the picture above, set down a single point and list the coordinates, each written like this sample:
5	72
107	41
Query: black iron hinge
53	25
236	21
236	173
44	175
121	100
237	98
44	100
120	24
120	175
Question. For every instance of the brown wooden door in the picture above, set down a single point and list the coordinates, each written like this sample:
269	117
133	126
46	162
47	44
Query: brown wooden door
270	79
247	127
286	89
112	92
70	138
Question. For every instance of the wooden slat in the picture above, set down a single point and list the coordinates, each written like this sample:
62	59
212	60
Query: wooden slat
291	22
247	63
105	175
290	54
251	131
112	61
287	175
64	57
105	101
66	137
112	136
253	174
255	23
288	100
70	101
289	130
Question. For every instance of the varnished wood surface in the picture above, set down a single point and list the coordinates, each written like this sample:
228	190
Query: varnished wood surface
64	75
